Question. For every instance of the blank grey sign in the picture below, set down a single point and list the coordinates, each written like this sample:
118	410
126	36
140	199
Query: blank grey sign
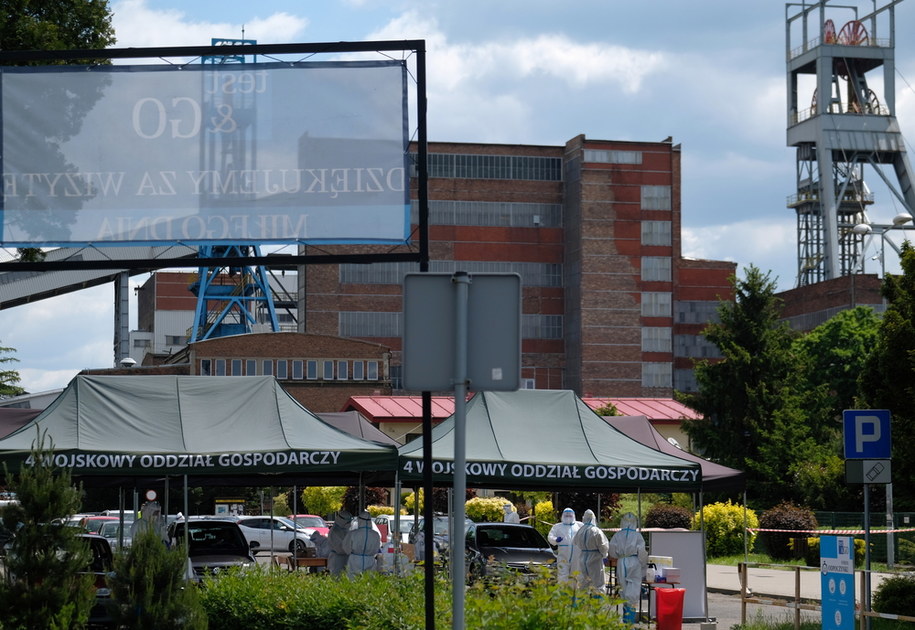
493	332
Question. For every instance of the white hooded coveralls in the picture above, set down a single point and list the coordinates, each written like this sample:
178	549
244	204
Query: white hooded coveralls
362	544
336	561
592	545
510	515
561	535
628	547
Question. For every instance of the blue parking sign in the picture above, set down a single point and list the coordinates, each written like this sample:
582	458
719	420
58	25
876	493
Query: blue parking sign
867	433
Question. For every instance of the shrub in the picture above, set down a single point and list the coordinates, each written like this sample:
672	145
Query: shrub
895	595
544	517
370	496
725	529
322	500
812	551
668	516
790	517
148	587
375	510
483	510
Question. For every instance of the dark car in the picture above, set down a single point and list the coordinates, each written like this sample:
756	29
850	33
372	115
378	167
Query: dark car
441	526
213	546
100	567
495	548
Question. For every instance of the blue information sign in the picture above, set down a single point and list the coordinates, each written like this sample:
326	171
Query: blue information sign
867	433
837	582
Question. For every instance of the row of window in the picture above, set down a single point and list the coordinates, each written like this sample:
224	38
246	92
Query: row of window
463	166
532	274
491	213
362	324
293	369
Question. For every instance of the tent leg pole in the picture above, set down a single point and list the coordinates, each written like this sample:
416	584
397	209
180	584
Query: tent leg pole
187	514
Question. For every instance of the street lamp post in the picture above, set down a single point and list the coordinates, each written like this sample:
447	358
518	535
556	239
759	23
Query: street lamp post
900	222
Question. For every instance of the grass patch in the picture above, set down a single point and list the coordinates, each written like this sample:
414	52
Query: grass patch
764	622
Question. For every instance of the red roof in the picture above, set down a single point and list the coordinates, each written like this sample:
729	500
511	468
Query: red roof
409	408
657	409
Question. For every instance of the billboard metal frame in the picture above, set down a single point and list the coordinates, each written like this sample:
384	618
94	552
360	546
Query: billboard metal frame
418	254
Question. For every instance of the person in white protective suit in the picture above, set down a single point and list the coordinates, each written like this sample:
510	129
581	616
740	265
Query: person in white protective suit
510	515
150	520
336	561
322	545
628	547
363	545
561	535
592	546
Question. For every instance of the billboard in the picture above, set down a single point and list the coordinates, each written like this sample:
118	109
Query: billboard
199	154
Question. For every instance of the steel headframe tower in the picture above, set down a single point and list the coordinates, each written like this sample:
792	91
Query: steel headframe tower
229	298
839	125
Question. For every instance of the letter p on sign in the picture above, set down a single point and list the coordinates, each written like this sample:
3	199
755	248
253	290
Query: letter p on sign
867	433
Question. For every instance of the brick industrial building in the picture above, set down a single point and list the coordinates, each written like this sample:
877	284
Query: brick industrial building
610	307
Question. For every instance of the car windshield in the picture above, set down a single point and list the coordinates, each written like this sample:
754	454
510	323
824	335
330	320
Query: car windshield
285	521
310	521
110	529
208	537
498	536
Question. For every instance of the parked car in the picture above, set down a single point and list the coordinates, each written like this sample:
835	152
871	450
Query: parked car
214	546
311	521
441	525
276	533
111	531
494	548
92	524
385	523
100	567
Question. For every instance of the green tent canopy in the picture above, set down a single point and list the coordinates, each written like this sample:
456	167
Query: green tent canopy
548	440
232	430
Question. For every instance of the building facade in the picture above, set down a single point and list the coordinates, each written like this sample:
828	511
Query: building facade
609	305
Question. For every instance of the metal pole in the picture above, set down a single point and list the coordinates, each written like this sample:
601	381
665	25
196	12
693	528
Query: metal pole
462	285
867	554
890	525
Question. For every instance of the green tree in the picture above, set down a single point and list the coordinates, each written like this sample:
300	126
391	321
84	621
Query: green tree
888	379
56	25
148	587
43	587
831	359
9	378
752	413
322	500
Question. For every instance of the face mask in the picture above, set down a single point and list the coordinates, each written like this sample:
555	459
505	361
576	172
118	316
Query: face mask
568	519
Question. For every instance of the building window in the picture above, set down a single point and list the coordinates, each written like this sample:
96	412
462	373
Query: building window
311	370
657	375
528	383
656	304
532	274
656	339
342	371
364	324
220	367
656	233
655	197
175	340
613	157
697	312
298	369
205	367
396	377
328	370
267	367
251	367
236	367
142	343
541	326
358	370
282	370
656	269
371	372
457	165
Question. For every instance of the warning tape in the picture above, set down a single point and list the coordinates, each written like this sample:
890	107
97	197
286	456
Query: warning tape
832	531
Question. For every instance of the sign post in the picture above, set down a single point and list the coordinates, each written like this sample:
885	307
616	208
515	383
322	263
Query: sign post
461	330
867	460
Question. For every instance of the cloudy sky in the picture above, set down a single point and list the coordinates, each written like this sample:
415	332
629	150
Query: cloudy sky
709	73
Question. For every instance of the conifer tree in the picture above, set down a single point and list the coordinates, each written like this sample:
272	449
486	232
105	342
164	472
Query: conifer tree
43	587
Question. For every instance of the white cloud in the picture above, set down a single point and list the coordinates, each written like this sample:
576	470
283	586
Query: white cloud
138	25
765	243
